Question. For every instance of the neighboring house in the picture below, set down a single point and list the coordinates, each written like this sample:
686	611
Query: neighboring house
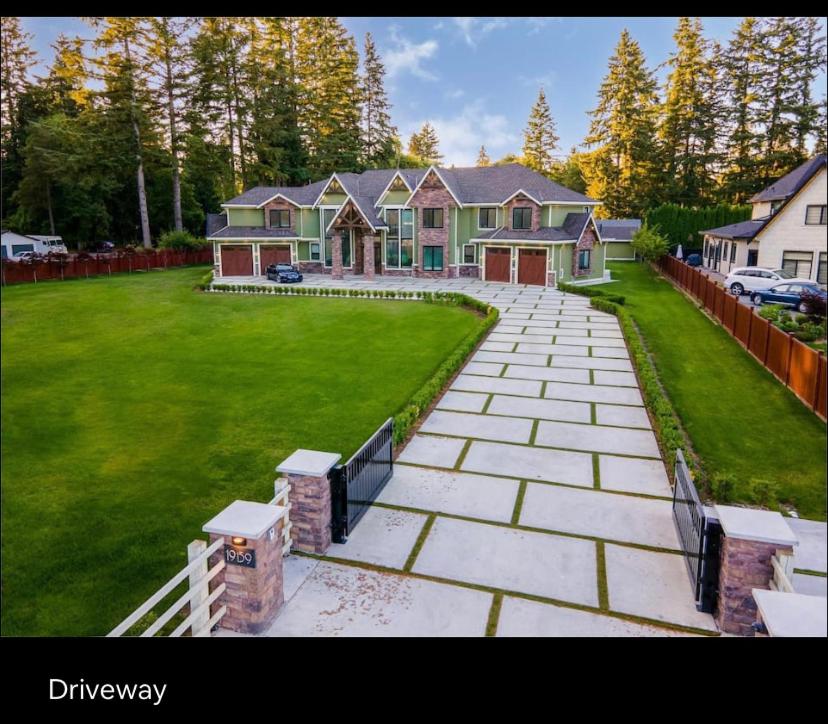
617	235
499	223
14	243
787	229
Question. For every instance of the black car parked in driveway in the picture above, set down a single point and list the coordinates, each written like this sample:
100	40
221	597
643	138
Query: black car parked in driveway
283	273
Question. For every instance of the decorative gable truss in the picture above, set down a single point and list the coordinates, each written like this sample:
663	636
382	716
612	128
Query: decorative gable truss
587	241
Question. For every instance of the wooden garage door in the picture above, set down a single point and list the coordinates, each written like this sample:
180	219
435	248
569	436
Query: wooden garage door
532	266
273	255
236	261
497	264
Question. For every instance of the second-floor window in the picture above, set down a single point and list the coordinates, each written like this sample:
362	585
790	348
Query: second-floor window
487	218
399	239
521	218
279	218
815	215
432	218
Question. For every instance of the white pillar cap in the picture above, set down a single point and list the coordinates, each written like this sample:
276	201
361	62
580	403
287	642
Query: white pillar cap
764	526
312	463
245	519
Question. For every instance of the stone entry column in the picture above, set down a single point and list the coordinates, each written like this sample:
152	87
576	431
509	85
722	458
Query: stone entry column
368	254
751	539
252	553
336	255
310	498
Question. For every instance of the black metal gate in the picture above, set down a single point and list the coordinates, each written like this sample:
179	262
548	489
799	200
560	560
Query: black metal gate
357	483
700	538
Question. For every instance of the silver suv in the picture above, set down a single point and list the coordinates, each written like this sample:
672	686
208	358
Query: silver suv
751	278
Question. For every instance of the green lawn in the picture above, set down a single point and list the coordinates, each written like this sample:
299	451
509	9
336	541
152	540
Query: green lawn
740	419
134	409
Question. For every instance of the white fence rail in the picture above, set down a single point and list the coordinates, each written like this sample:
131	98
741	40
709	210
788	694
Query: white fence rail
782	572
281	489
198	596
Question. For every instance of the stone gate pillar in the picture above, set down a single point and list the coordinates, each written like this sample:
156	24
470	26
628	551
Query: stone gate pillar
310	498
751	539
336	256
252	553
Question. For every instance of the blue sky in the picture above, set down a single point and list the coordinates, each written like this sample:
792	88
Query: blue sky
475	79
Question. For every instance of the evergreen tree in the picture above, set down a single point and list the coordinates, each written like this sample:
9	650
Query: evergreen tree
483	157
742	74
822	127
621	169
378	133
425	145
568	172
810	59
68	76
688	130
327	66
539	138
126	94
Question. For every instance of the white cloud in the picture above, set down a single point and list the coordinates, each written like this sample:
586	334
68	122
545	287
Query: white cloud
454	93
408	57
462	135
547	80
473	29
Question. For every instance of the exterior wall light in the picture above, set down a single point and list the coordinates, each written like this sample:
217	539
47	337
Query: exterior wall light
238	541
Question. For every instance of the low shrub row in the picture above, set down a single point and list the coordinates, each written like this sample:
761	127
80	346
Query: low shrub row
590	292
804	327
765	493
422	398
666	423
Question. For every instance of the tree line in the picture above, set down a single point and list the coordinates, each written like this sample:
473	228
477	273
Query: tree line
149	123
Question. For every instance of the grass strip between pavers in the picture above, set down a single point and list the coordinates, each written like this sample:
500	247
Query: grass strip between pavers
601	571
420	542
494	615
519	502
806	572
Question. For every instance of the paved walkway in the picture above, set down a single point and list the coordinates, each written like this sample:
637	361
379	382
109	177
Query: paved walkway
531	502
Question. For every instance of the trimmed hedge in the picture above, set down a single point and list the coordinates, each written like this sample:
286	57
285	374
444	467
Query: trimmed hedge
666	425
420	401
590	292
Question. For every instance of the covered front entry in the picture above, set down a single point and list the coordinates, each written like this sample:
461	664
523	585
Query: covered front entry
532	266
236	260
273	254
498	263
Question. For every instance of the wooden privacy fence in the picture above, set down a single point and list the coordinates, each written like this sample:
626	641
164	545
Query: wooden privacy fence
73	266
801	368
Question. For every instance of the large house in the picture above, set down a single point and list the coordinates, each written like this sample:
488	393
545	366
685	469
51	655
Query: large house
499	223
787	229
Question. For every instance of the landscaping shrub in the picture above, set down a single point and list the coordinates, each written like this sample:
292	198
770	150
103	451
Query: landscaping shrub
764	493
681	224
181	240
722	487
590	292
649	243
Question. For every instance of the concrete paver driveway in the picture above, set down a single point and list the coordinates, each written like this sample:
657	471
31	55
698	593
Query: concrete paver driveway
532	501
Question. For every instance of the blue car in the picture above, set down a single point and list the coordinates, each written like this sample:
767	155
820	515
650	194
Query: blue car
790	294
694	260
283	273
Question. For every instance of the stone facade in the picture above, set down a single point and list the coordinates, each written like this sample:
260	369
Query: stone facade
470	272
310	512
336	254
588	241
744	565
282	205
522	202
368	267
312	267
254	595
432	194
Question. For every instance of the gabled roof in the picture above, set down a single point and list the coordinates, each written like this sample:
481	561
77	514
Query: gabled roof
791	183
574	224
739	230
618	229
469	186
253	232
545	233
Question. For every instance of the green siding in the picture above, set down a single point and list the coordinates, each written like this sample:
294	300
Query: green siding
558	214
598	252
395	198
333	199
310	224
245	217
620	250
564	264
466	225
303	251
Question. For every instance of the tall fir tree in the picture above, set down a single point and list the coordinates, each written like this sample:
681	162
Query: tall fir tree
483	159
622	168
741	70
539	138
425	145
378	133
690	119
327	65
811	59
66	82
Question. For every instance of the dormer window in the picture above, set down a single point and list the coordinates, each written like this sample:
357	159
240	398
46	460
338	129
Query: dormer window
521	218
279	218
775	206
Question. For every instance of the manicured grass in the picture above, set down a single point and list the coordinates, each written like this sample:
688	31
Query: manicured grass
739	418
134	409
